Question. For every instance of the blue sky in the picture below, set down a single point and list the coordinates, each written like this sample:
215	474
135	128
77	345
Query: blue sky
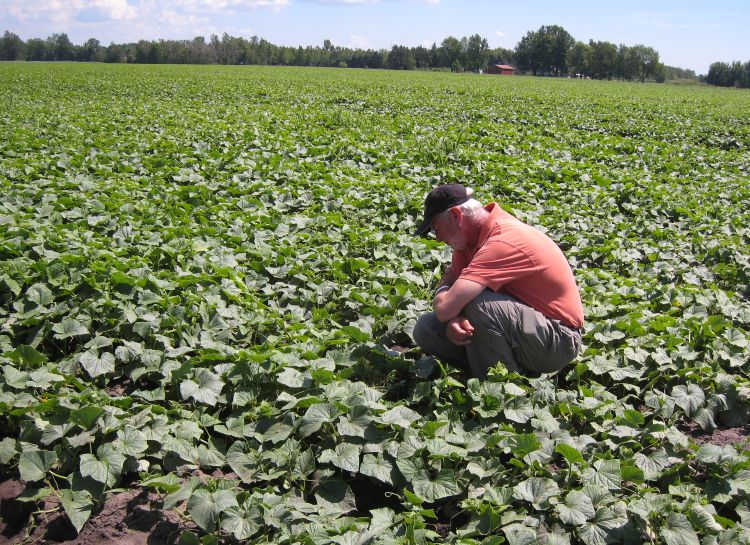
687	33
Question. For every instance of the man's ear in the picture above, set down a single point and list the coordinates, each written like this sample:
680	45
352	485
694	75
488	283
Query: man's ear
457	214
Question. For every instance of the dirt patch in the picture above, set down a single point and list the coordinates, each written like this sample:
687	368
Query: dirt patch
14	515
120	387
133	517
720	436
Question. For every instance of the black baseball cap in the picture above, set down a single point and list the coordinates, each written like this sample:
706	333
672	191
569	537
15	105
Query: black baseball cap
440	199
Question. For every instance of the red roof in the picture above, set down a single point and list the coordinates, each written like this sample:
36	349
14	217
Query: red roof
504	66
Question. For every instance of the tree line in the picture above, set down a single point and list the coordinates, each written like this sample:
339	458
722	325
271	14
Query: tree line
549	51
725	74
471	53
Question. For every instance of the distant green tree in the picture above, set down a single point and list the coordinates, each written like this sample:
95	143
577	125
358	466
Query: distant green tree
579	58
143	51
11	47
400	58
198	51
90	50
530	52
545	50
719	74
477	52
737	75
731	74
451	53
35	49
422	57
435	56
232	50
646	61
602	59
560	42
660	74
627	62
61	47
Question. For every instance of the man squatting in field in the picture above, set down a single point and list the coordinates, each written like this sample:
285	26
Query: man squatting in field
508	296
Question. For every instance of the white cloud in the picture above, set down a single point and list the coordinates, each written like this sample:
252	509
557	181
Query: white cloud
65	11
180	19
346	2
500	33
356	2
359	42
220	5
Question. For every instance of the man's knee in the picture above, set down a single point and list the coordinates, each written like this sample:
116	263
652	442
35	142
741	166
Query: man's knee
424	329
490	310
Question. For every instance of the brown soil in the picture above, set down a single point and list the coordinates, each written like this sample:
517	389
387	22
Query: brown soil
726	436
133	517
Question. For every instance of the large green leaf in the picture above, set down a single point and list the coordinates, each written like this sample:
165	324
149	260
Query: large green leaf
344	455
186	490
69	327
604	473
26	355
204	507
522	444
242	522
96	469
605	526
315	416
377	467
356	422
40	294
690	398
78	506
7	450
335	496
442	485
400	416
106	468
577	509
653	464
95	364
206	387
33	465
677	530
571	454
537	491
131	442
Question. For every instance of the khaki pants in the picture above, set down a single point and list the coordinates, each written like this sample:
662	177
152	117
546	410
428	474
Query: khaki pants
505	330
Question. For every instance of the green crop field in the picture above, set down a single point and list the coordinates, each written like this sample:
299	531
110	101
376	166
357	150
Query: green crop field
208	278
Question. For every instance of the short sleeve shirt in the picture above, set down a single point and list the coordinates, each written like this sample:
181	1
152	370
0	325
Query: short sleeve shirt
517	259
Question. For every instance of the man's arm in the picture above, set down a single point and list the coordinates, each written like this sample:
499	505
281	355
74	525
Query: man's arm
449	303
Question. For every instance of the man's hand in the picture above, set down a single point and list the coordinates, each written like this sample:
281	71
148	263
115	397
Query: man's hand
459	330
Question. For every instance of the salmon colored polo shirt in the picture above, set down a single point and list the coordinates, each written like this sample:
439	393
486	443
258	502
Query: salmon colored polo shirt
518	260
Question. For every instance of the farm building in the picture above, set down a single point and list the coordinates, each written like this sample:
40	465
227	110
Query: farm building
502	69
